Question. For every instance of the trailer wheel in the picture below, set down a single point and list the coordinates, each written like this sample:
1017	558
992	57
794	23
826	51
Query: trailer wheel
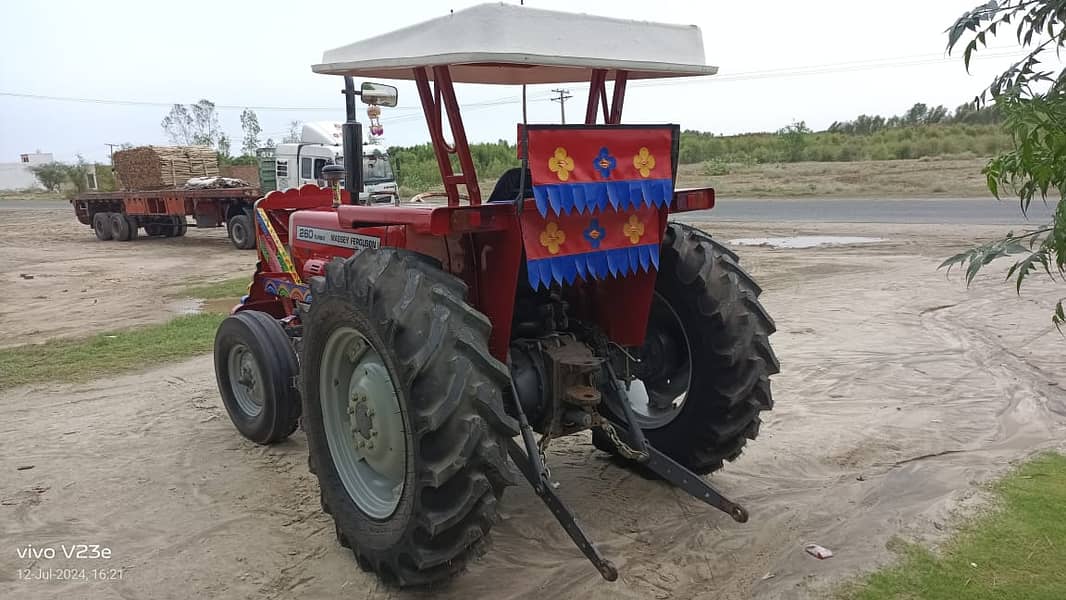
179	227
133	227
255	367
404	415
102	226
240	231
120	227
156	230
706	363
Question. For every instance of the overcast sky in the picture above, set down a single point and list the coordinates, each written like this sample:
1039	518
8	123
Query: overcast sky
258	54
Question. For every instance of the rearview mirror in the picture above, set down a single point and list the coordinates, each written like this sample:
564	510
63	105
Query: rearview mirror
379	94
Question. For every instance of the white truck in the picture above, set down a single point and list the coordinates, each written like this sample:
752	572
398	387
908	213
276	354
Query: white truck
291	165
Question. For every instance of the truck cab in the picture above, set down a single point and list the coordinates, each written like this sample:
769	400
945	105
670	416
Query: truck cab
295	164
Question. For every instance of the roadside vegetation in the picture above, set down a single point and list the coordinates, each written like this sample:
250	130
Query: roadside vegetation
920	132
79	359
1015	551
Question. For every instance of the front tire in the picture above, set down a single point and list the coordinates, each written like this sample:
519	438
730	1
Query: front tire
387	328
719	352
255	368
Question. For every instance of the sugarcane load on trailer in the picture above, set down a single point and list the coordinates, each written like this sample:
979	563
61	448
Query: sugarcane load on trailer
415	343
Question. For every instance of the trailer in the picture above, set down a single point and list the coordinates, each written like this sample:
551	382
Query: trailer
163	213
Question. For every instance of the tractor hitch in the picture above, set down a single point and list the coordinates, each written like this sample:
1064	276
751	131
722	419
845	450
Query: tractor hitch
640	450
543	488
533	469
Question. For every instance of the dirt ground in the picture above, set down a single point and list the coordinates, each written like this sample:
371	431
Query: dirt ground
60	281
901	392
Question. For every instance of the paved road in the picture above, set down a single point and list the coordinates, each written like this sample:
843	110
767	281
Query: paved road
975	211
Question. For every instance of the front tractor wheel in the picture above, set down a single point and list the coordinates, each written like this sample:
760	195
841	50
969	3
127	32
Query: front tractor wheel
404	415
256	368
703	373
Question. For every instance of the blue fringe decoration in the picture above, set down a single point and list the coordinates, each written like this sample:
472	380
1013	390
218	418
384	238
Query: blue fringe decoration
564	198
619	262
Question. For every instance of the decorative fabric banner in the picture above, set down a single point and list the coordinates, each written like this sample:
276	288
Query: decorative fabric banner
563	247
588	168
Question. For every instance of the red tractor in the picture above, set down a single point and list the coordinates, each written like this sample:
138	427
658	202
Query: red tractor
415	343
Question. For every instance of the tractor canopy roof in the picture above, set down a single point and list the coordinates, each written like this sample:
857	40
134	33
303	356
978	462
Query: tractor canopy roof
508	44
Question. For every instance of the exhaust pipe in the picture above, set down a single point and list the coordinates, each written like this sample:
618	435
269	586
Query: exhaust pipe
352	137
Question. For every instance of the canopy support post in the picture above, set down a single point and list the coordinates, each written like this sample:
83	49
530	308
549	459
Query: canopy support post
620	78
443	95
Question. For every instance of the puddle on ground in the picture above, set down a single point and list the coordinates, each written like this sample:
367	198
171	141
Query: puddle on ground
806	241
195	306
186	306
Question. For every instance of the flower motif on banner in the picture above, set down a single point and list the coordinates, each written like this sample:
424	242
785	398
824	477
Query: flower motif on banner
633	229
552	237
604	163
594	234
643	162
561	164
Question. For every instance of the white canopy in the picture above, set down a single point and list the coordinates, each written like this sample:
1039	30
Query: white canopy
509	44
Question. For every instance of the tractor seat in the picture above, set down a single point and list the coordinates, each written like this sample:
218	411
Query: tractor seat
507	188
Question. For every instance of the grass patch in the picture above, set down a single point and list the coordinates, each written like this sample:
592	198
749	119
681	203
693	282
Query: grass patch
113	352
30	195
227	289
1016	551
79	359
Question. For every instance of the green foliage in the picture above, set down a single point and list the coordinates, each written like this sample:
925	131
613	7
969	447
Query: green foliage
1031	99
716	168
794	140
51	175
250	127
105	178
1016	551
55	175
196	124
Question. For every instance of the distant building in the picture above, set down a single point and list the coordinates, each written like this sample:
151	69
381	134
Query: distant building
17	175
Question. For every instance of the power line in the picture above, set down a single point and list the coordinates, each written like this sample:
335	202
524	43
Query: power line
413	113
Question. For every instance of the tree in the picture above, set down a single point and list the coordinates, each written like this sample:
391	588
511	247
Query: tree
251	128
223	146
193	124
294	133
51	175
270	143
794	138
1030	96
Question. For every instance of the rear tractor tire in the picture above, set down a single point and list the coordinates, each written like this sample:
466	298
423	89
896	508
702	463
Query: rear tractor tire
102	226
706	360
404	415
256	368
241	232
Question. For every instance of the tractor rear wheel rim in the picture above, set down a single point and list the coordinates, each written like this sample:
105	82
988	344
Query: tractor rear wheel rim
661	380
364	426
246	379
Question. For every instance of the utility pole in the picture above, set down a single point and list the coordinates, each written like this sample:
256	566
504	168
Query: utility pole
111	151
564	95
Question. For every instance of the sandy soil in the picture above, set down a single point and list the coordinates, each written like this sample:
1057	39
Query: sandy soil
901	392
60	281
